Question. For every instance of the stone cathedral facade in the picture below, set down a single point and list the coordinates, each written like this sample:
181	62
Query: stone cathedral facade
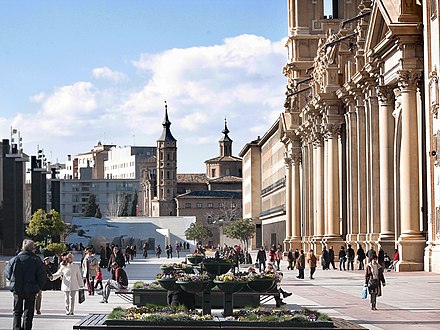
360	129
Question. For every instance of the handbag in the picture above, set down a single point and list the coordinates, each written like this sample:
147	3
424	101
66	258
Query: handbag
81	296
373	283
364	292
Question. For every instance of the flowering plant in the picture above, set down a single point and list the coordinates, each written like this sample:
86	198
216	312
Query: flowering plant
165	276
193	277
217	260
229	277
156	313
266	314
266	276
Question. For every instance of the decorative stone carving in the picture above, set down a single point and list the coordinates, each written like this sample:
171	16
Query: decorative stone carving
434	93
385	95
296	158
332	130
408	79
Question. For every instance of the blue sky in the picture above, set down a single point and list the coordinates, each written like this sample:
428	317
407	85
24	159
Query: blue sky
75	72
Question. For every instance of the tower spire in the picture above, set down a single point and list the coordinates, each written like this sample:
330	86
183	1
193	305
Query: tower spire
225	142
166	133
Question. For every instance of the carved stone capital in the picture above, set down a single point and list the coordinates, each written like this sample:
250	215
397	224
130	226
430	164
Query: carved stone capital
408	79
332	131
385	95
317	139
296	158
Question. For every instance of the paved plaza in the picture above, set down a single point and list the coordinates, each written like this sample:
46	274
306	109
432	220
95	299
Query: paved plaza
410	301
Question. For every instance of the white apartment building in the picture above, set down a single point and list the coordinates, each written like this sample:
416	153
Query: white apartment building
74	195
127	162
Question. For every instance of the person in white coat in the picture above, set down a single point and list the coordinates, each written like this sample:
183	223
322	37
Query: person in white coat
71	281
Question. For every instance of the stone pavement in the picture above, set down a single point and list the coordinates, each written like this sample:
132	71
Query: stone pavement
410	300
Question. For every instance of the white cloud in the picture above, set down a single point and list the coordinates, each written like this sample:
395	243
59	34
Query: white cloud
239	79
37	98
106	73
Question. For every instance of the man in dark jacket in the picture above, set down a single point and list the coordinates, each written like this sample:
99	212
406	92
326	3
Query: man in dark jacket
117	257
27	275
261	259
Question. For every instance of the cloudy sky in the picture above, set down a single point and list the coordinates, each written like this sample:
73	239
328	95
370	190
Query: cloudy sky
73	73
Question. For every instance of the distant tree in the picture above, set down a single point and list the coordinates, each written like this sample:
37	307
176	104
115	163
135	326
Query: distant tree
134	204
46	224
197	232
243	229
123	211
98	213
91	206
56	248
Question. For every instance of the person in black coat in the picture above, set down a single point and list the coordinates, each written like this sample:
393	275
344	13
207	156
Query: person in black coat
117	257
350	257
27	275
261	259
331	255
361	257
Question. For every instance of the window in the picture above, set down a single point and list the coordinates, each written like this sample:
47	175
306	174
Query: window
210	205
199	205
213	172
187	205
228	171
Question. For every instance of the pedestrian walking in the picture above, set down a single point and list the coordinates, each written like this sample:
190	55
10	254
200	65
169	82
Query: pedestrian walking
325	259
71	281
145	249
279	256
99	279
361	257
89	267
178	249
117	257
158	251
290	260
331	255
374	280
261	259
381	256
311	260
350	257
342	257
301	264
27	275
47	286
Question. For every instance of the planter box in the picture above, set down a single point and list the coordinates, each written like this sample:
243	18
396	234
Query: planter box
99	321
159	297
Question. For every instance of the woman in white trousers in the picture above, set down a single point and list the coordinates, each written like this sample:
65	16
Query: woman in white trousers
71	281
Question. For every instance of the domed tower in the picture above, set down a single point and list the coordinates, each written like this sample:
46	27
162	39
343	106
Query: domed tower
166	171
225	142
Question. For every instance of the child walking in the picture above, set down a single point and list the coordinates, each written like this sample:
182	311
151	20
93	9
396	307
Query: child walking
99	279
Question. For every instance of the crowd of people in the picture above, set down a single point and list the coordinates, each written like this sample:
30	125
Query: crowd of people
29	276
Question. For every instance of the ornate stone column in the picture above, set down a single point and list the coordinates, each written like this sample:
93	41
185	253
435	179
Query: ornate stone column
333	232
288	164
352	169
373	207
318	190
386	152
295	240
411	240
362	167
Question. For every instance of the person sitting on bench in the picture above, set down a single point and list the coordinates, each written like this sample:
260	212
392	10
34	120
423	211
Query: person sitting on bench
118	281
277	290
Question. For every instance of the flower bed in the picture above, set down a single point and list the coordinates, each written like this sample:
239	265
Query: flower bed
174	316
